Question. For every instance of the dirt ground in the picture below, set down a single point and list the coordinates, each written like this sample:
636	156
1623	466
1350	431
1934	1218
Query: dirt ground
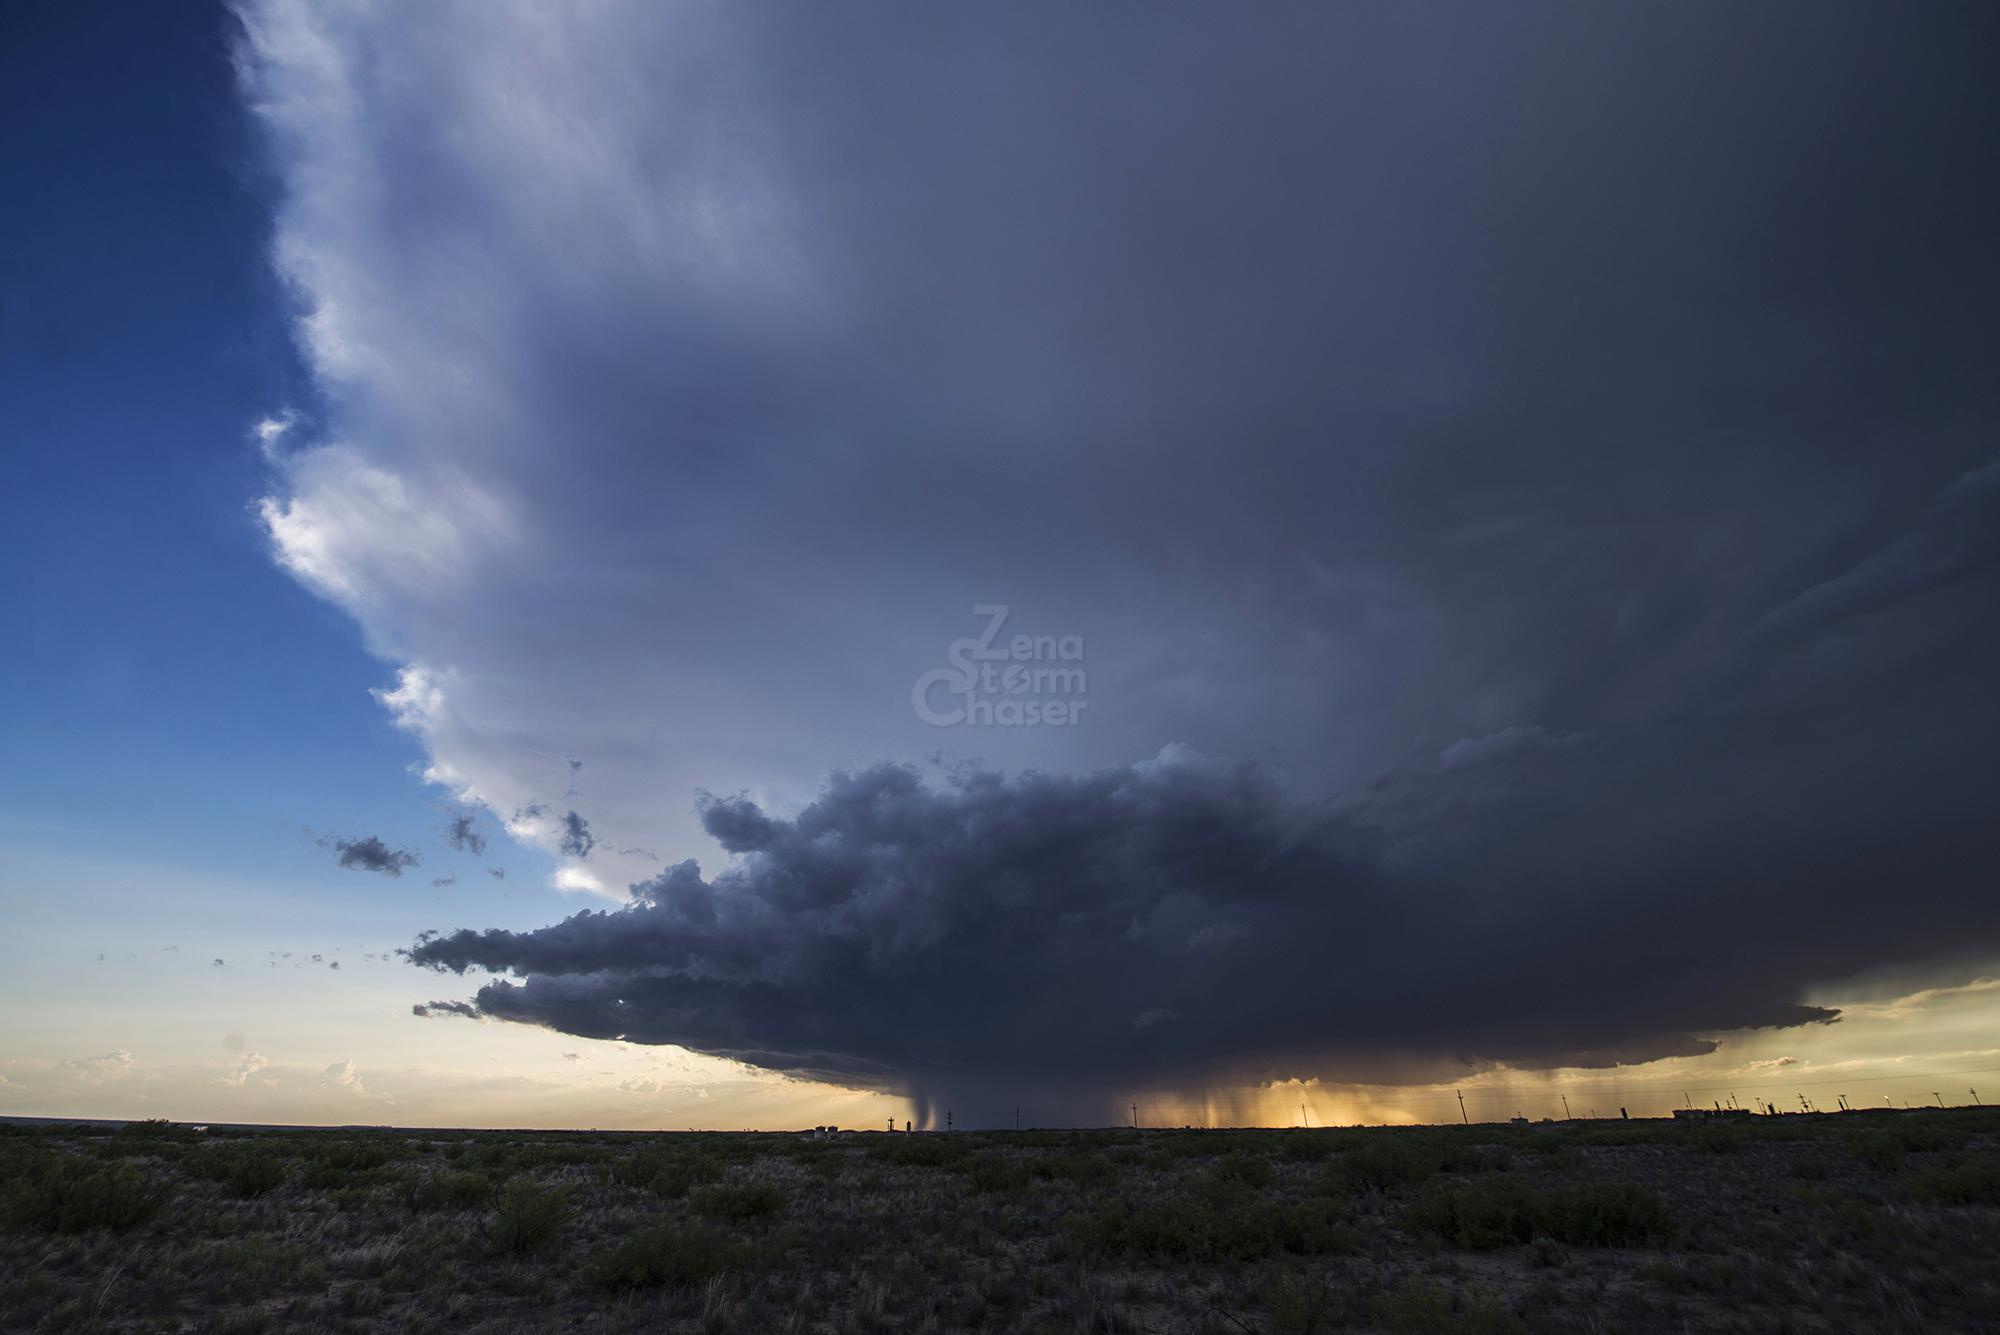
1867	1221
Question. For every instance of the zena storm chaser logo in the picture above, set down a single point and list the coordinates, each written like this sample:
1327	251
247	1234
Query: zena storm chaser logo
1022	681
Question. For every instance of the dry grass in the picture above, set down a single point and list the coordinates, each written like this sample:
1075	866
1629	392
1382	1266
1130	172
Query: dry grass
1872	1221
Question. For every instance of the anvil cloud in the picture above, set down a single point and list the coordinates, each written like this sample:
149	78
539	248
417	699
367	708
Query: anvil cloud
1546	453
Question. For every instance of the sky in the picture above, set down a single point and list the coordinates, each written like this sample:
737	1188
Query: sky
633	564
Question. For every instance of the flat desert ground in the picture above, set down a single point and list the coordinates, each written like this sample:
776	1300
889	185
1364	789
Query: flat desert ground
1861	1221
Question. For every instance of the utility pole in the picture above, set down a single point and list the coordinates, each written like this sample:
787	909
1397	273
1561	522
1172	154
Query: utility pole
1566	1116
1017	1119
1686	1102
947	1119
1975	1098
1461	1107
1303	1119
1135	1117
1939	1097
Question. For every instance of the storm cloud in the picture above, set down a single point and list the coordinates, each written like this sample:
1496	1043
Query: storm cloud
1553	443
976	938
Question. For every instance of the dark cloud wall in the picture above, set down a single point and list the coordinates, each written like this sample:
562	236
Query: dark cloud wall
1810	808
1554	442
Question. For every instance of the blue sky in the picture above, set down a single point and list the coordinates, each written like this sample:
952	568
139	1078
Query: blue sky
1479	524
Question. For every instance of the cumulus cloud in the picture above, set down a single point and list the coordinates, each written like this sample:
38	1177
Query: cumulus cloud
710	365
964	938
102	1070
343	1076
371	854
238	1069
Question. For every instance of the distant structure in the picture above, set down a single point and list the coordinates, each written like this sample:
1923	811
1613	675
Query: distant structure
1710	1114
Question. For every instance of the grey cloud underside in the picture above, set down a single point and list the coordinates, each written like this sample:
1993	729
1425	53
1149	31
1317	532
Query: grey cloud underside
462	833
575	839
1563	433
1565	901
371	854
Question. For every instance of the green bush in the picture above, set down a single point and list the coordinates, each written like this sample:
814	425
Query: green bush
669	1255
1417	1307
332	1162
1083	1167
995	1172
667	1173
1252	1170
1606	1214
72	1196
1879	1150
1495	1212
527	1217
254	1175
926	1151
1182	1229
740	1203
1967	1182
1505	1211
1397	1159
451	1191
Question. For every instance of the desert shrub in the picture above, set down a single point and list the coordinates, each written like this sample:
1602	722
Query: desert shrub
527	1217
738	1201
664	1172
1082	1167
1505	1211
1927	1132
1181	1229
1396	1159
245	1172
1302	1306
1306	1146
666	1255
1620	1134
1879	1150
927	1151
1494	1212
995	1172
1605	1214
1417	1307
451	1191
1810	1170
1973	1181
1251	1170
332	1162
72	1196
254	1175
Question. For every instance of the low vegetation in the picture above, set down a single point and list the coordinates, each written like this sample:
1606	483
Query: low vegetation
1879	1221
